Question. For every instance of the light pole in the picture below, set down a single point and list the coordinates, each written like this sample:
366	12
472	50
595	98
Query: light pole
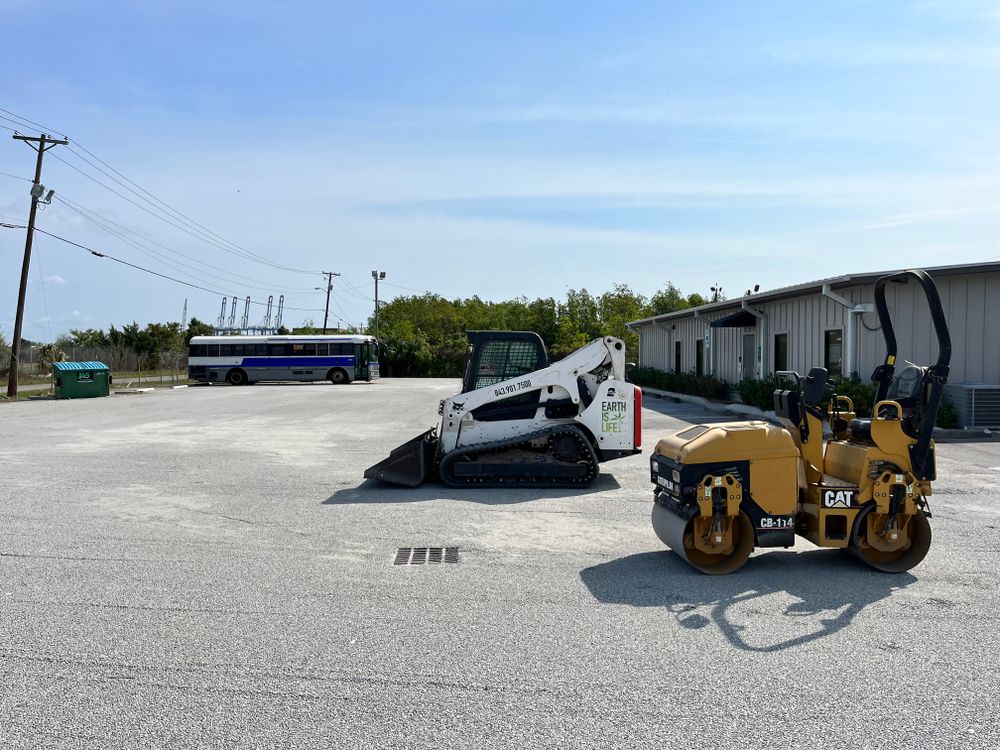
378	276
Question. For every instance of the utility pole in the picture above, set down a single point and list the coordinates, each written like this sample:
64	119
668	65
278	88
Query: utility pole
37	189
378	276
329	286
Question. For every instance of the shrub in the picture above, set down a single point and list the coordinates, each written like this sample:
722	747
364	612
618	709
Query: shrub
681	382
947	417
759	393
861	394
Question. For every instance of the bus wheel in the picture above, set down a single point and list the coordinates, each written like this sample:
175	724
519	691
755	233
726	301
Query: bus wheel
337	376
236	377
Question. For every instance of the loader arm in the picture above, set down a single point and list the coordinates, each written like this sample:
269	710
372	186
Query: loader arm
563	374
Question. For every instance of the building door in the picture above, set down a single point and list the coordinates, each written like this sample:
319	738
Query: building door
833	353
781	352
677	356
749	356
699	357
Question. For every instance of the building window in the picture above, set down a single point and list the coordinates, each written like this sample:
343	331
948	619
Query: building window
677	356
833	353
699	357
781	352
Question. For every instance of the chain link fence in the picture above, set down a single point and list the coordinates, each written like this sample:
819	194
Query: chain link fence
128	367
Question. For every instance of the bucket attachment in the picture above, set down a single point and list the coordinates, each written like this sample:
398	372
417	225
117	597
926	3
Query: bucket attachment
410	465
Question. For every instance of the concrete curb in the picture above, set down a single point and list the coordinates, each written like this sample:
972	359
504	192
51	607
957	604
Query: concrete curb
740	410
744	411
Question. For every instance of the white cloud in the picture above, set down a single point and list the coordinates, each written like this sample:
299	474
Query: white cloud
844	53
55	279
922	217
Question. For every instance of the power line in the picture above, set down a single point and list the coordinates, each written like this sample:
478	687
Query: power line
149	270
407	288
45	300
92	216
168	220
149	252
170	215
23	119
354	290
142	193
15	176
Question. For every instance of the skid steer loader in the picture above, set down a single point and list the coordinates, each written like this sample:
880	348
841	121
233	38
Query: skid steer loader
723	489
519	421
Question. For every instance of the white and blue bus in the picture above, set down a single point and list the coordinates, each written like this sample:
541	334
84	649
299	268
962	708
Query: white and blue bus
251	359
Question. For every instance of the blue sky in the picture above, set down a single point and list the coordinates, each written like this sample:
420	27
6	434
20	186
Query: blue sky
497	148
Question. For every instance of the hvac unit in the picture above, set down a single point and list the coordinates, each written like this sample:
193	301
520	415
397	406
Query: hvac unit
977	404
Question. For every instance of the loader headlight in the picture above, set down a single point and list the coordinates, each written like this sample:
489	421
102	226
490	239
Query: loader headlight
677	475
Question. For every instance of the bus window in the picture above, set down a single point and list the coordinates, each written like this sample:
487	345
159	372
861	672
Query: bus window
304	350
278	350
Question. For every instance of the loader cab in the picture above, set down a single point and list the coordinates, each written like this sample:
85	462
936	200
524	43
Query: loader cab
495	356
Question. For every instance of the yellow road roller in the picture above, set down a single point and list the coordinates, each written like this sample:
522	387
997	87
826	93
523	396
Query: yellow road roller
723	489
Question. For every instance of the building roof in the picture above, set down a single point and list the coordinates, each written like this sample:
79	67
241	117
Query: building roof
814	287
68	366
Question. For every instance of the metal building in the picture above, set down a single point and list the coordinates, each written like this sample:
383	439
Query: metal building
832	323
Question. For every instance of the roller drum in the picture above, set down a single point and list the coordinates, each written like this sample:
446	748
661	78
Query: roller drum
893	562
672	530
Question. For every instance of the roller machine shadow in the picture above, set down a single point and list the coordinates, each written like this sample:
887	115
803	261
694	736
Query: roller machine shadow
723	489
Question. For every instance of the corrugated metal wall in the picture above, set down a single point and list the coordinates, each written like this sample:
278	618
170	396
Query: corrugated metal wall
726	343
971	303
654	346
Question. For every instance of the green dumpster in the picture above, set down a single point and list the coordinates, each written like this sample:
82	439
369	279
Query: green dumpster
81	379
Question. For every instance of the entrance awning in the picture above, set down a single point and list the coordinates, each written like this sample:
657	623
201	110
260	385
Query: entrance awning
741	319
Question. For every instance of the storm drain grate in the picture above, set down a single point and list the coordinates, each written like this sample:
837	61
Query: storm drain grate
425	555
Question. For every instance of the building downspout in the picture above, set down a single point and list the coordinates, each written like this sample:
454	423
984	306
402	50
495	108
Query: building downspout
849	338
762	327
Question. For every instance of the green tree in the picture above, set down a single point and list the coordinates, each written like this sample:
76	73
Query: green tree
616	308
91	338
49	353
163	337
197	328
668	300
542	317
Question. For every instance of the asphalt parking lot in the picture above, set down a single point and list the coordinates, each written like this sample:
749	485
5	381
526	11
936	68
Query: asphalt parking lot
207	568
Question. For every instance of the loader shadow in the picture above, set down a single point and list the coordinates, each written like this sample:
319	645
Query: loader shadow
832	589
371	491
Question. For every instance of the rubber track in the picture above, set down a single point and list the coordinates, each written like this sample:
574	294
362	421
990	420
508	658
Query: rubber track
525	478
